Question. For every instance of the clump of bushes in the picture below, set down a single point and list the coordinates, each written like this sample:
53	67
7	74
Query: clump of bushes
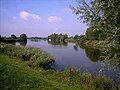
34	57
87	81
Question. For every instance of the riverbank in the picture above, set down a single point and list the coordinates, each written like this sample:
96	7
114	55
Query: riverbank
27	65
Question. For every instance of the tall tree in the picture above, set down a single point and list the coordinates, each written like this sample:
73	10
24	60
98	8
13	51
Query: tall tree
102	15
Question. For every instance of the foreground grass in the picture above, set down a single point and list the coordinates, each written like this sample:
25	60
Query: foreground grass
14	74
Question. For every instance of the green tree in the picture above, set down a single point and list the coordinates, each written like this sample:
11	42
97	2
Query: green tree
1	38
13	36
23	37
101	15
76	37
58	37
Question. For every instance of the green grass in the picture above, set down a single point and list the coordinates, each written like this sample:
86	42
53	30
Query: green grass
16	75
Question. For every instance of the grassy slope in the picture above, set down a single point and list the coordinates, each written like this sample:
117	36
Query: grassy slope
16	75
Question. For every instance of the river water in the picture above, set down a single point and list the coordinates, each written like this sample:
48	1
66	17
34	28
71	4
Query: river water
69	55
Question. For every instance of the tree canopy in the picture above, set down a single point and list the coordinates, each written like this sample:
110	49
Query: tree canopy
58	37
102	16
13	36
23	37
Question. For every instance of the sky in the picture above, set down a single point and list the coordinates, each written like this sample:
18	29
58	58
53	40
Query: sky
39	18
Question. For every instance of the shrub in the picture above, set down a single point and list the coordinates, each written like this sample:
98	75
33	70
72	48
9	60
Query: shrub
34	56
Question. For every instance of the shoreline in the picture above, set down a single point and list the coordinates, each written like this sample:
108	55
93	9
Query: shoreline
73	78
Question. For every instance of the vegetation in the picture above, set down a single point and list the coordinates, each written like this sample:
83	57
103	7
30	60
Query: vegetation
23	37
34	57
102	17
29	68
13	38
22	68
61	43
43	38
58	37
15	75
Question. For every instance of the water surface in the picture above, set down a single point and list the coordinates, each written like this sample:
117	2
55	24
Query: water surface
69	55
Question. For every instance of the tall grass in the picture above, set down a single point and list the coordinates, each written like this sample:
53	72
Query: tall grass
34	57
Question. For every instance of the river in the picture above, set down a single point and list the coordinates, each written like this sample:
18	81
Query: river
69	55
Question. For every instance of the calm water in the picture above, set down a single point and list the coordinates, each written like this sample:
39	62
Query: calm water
68	55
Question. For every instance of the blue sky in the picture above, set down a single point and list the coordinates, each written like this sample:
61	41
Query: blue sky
39	18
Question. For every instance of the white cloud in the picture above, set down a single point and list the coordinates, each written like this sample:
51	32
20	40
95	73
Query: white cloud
24	15
54	19
27	16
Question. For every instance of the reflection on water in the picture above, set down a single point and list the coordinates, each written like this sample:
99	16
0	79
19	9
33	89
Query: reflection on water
36	40
93	54
60	43
23	43
77	56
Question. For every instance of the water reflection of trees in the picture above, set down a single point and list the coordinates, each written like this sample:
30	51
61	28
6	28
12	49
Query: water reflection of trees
35	40
23	43
93	54
61	43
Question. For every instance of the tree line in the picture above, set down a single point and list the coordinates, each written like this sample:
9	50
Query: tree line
57	37
23	37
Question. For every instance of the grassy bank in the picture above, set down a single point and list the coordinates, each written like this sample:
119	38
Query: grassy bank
33	57
14	74
22	69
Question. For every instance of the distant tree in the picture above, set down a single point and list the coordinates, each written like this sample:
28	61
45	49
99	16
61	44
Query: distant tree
76	37
58	37
23	37
65	36
13	36
1	38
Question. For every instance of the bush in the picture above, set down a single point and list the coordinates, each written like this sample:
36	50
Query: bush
34	56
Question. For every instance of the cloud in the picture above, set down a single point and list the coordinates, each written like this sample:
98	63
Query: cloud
54	19
24	15
27	16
